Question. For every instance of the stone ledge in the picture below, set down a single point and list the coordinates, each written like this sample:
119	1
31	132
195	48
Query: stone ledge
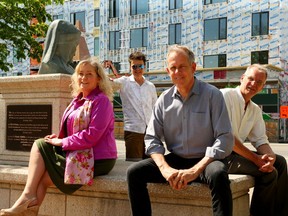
108	194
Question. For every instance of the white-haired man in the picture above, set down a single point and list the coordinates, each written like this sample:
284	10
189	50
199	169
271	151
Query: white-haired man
270	196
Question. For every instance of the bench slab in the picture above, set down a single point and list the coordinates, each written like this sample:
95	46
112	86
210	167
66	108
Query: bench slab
108	195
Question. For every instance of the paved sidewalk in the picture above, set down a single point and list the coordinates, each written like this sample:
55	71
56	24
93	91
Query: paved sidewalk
279	148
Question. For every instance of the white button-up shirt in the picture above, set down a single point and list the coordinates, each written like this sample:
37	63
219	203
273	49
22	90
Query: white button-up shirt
137	103
245	124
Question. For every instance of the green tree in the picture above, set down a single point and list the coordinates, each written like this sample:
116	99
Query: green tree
17	32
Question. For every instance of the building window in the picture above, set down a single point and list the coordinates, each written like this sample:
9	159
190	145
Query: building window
215	29
147	66
96	46
212	61
260	57
96	18
175	4
16	73
139	7
59	16
260	23
113	8
174	33
78	16
15	59
138	37
114	40
206	2
117	66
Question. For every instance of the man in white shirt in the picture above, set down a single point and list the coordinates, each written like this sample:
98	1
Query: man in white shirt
138	97
270	170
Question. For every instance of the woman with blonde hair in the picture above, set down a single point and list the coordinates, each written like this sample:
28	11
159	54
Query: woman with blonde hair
92	107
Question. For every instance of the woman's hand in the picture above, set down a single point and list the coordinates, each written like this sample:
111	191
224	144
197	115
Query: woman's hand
53	141
51	136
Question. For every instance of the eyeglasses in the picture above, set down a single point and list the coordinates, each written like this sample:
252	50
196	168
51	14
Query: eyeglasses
135	67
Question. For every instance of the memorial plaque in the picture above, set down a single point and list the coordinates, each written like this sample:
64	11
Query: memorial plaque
26	123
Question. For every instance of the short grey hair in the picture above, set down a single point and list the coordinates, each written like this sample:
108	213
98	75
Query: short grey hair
185	49
259	67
